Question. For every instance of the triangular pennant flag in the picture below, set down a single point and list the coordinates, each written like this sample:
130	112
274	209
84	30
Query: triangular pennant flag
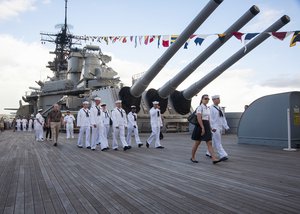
238	35
140	39
158	41
198	41
151	39
295	38
131	38
188	41
247	38
146	40
280	35
173	38
106	40
135	41
124	40
165	41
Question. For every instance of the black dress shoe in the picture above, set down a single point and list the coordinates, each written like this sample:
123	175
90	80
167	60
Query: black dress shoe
159	147
93	149
79	146
140	145
104	149
55	144
88	147
216	161
129	147
147	144
224	159
207	155
194	161
116	149
125	148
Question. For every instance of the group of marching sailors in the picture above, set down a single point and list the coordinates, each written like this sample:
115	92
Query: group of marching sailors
94	125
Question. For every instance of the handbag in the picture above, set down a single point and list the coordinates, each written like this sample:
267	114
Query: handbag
192	118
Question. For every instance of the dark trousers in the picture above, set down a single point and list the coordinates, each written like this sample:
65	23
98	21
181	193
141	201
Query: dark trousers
48	133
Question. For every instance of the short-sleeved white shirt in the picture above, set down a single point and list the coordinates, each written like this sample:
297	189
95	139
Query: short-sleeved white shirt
204	111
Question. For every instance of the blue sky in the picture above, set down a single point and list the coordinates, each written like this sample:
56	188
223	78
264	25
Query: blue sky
272	67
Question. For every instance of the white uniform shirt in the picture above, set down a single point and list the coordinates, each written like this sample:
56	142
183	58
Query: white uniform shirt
18	121
96	115
204	111
215	119
132	119
69	119
118	117
106	117
155	117
24	122
40	119
83	117
30	122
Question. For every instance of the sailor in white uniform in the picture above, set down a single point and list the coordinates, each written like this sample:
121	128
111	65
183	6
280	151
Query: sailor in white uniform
38	126
98	126
156	124
133	128
218	123
84	124
106	120
24	124
118	116
30	123
18	122
69	120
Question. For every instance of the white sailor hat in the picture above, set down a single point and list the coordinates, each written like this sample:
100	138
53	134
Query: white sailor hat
133	106
97	98
118	101
215	97
103	104
85	102
155	102
40	110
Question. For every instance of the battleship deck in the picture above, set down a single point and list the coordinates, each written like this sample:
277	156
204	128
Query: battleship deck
36	177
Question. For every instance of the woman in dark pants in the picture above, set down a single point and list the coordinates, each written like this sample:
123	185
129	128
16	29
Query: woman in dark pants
202	131
48	130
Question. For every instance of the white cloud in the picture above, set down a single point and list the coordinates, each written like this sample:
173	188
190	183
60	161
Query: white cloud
21	64
12	8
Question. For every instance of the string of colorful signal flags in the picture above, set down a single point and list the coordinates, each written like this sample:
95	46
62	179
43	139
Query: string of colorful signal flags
167	40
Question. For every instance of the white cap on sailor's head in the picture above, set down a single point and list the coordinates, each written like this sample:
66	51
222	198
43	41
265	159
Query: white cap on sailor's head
97	98
155	102
85	103
215	97
133	106
40	110
118	101
103	104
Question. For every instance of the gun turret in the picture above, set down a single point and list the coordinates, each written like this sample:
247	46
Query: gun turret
173	83
132	96
182	100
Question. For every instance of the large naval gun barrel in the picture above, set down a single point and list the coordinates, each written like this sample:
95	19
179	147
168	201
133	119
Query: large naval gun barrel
182	100
128	94
173	83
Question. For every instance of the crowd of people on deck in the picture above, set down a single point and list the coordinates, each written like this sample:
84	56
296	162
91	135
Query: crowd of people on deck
95	122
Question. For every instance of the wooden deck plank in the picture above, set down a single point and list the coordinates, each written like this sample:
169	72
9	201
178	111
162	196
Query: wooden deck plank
36	177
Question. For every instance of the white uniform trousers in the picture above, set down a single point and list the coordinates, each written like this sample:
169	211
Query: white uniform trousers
39	132
18	127
217	143
136	135
84	130
154	136
24	127
106	131
30	127
121	133
70	130
96	133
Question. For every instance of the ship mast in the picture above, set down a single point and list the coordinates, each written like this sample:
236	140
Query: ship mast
63	42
